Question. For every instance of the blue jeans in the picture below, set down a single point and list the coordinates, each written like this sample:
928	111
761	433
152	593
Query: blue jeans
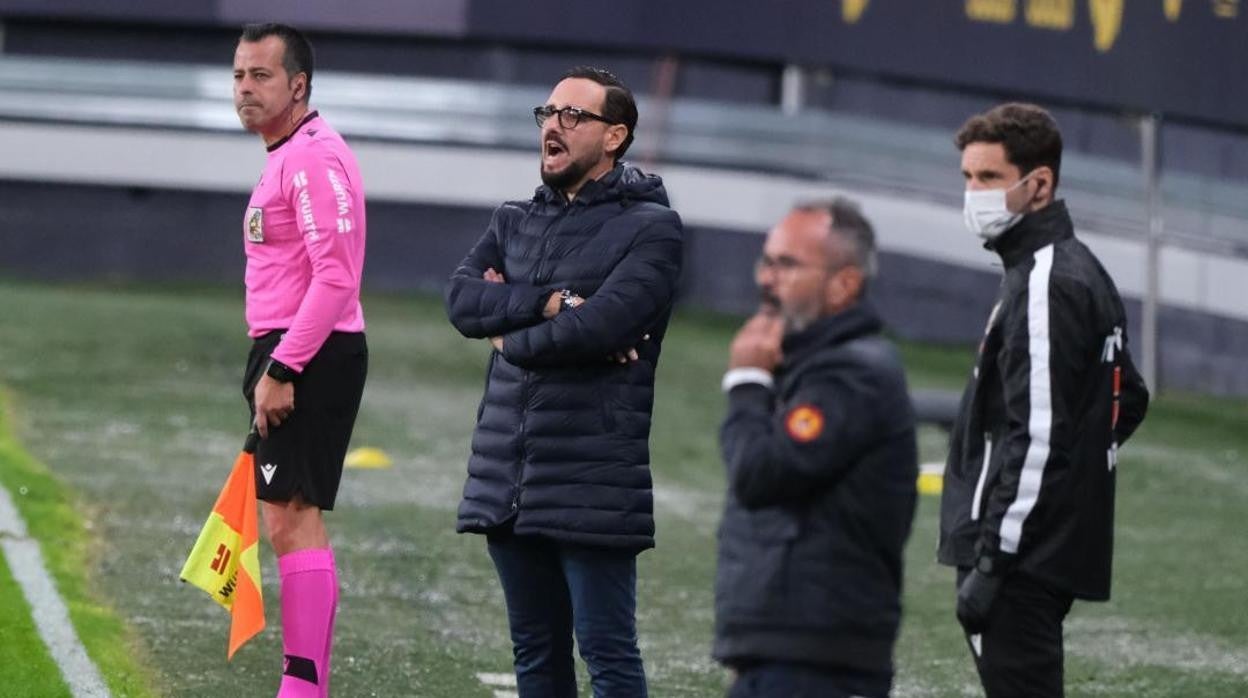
553	589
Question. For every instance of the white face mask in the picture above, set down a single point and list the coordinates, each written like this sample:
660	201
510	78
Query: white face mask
986	214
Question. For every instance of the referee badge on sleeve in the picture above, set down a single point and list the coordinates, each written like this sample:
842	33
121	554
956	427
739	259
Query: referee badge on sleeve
804	423
255	224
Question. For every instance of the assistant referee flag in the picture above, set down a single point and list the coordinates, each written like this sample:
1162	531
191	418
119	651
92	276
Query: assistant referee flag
225	561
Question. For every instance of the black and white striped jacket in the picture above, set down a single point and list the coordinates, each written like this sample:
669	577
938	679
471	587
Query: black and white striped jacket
1032	460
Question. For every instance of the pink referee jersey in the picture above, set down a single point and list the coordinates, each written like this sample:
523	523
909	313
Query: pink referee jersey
304	238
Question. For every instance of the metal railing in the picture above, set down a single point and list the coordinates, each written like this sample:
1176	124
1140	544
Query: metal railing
1108	196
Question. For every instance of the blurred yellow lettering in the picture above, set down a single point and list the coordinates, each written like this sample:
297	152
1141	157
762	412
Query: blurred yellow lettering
1106	22
996	11
1226	9
851	10
1173	8
1051	14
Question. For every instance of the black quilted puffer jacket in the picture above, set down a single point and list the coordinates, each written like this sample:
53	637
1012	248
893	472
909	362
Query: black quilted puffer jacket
561	446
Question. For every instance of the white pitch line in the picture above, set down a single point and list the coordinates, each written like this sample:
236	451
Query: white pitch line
506	681
46	606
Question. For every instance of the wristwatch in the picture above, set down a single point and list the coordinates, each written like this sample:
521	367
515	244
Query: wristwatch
280	372
568	300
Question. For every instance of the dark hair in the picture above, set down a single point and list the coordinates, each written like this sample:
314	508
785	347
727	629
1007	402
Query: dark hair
297	56
1028	133
619	107
852	228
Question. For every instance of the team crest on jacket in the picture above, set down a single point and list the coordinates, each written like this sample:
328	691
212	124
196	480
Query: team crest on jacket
255	224
804	423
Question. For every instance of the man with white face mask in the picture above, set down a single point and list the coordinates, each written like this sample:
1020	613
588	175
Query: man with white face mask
1028	503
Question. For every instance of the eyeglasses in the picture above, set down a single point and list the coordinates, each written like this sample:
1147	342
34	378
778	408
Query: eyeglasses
781	265
569	117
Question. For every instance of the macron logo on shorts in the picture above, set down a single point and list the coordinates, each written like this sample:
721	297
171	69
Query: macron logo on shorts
267	470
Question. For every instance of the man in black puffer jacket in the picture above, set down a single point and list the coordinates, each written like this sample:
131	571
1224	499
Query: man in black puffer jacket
819	446
574	289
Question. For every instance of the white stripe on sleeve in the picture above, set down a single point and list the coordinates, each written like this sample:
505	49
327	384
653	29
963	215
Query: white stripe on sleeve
1040	397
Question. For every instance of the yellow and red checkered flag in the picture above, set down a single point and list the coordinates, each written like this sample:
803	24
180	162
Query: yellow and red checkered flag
225	561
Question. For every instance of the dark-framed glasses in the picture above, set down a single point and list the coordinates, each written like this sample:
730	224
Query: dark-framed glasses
569	117
781	265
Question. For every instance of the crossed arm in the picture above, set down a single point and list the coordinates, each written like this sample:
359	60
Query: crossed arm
481	304
530	326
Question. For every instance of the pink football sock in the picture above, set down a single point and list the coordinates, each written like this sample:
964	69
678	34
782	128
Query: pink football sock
309	601
333	613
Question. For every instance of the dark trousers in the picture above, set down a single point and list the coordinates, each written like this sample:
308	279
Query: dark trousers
786	680
553	589
1020	654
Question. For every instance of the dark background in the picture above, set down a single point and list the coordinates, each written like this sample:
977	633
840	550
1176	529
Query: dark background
1194	68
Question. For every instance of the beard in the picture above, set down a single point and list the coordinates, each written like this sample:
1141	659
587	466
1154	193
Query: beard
796	317
797	320
768	302
570	175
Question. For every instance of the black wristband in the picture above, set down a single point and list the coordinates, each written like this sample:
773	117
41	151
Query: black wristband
280	372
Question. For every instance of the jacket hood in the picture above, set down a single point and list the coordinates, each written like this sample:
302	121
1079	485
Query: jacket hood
624	183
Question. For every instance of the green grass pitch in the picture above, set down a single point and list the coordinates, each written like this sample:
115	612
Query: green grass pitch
131	398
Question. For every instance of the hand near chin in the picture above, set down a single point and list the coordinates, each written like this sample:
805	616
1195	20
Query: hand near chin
757	344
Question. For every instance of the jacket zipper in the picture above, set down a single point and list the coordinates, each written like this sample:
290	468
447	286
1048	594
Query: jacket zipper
524	455
524	390
983	476
547	236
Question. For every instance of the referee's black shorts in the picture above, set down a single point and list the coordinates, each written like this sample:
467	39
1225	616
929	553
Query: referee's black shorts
304	455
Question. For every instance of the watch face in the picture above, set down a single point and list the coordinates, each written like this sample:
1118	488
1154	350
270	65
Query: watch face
985	565
280	372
